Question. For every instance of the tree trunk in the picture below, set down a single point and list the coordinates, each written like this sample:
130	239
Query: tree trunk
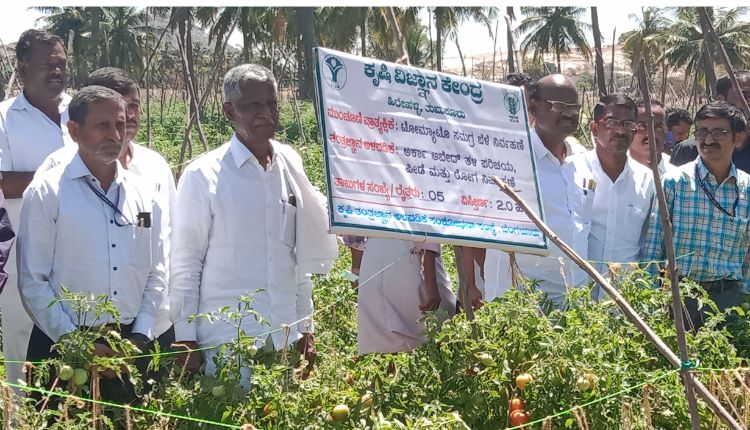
306	21
612	66
708	50
461	57
511	46
601	84
494	49
96	36
399	36
557	55
664	70
246	41
363	30
429	34
439	37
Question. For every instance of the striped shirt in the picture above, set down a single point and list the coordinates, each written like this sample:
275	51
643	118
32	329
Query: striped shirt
718	242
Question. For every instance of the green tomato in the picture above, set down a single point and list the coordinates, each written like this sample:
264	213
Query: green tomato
745	306
252	350
80	376
486	359
218	391
66	372
340	413
583	384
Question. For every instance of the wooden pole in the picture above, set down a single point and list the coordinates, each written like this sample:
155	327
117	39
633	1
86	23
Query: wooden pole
674	275
624	306
725	60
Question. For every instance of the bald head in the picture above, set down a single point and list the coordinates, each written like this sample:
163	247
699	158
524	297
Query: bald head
554	102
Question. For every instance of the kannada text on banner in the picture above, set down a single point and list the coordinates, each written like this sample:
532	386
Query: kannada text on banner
410	154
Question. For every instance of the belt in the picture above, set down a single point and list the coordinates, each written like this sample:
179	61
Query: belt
721	284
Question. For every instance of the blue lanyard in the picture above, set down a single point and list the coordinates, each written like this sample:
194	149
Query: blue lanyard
713	199
109	203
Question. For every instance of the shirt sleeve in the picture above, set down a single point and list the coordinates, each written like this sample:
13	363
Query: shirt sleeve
155	291
305	306
6	160
36	250
6	240
192	224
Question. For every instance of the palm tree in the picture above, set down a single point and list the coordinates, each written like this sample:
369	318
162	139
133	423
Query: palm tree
447	20
649	34
685	42
125	34
598	48
554	30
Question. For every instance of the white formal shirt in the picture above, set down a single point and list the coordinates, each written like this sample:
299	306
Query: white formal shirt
665	165
151	167
69	237
620	211
27	137
566	211
234	234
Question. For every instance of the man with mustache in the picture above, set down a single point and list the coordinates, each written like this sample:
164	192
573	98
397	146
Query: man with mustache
624	189
687	150
708	203
146	163
566	187
248	222
639	149
92	227
32	125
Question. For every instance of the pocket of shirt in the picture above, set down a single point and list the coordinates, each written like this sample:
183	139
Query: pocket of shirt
140	253
289	225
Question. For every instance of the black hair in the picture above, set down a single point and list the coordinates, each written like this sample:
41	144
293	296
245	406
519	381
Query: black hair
723	110
614	99
78	108
724	84
677	115
31	38
642	103
114	79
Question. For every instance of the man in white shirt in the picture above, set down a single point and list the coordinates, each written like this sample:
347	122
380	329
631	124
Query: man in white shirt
145	163
624	188
639	149
565	188
32	126
92	227
247	222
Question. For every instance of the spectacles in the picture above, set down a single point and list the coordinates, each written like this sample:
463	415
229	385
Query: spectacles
717	134
569	109
661	127
617	123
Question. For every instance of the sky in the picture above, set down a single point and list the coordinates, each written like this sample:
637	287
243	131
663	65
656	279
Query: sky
474	38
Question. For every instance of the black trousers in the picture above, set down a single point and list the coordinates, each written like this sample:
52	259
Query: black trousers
114	390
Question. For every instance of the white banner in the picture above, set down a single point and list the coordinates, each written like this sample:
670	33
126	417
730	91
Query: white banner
410	153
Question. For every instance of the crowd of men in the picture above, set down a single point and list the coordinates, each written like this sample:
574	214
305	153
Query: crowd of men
95	212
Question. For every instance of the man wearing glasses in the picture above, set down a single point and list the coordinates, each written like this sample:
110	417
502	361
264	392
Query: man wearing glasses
709	204
567	192
93	227
640	150
624	187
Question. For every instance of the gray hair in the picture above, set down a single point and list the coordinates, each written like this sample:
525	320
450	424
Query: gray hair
78	108
238	75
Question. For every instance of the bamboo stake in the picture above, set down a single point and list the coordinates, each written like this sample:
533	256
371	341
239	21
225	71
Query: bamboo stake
623	304
674	274
725	59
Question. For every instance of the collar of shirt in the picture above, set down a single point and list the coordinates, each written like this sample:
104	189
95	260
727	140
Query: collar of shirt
241	154
541	151
708	176
77	169
631	167
22	103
